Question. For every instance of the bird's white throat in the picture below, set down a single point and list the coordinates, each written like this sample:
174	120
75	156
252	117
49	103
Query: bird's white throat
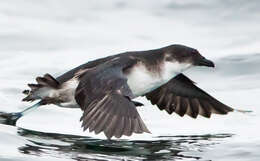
141	80
171	69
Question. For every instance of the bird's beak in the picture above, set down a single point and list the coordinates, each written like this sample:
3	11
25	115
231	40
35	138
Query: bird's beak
205	62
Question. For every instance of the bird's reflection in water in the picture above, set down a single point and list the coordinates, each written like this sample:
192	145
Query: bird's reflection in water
86	148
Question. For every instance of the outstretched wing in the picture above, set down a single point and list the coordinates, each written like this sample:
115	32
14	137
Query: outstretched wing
105	98
182	96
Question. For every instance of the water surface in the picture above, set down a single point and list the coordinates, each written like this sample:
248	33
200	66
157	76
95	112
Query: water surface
53	36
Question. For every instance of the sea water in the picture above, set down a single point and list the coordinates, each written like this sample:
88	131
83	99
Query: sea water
53	36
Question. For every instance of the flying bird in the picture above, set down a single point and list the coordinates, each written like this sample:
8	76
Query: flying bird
104	89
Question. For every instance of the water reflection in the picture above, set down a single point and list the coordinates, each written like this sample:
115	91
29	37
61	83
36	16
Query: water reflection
79	148
86	148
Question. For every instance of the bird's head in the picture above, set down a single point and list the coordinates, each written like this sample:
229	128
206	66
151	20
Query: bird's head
186	55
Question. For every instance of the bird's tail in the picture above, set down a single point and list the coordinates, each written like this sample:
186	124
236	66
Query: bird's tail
39	90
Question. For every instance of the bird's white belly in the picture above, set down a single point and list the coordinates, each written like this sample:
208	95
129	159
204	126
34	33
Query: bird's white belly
141	83
141	80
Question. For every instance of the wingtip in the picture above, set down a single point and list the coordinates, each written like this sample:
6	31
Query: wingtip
148	131
108	136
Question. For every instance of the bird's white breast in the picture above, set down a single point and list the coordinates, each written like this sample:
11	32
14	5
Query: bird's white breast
141	80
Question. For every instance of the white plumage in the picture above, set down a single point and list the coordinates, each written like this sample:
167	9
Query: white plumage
141	80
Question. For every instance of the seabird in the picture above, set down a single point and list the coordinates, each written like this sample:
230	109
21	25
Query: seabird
104	89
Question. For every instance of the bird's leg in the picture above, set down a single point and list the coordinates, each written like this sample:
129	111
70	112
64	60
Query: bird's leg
31	108
11	118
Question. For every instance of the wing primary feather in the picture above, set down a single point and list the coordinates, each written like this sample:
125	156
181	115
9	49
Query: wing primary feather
182	96
177	109
120	128
102	125
169	103
89	117
108	117
195	107
101	120
136	127
183	107
143	126
205	107
88	109
129	126
160	99
189	110
109	131
94	119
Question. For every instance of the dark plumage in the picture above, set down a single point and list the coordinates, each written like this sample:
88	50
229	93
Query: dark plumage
182	96
104	89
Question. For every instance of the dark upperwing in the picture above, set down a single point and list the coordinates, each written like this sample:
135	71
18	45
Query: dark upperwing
182	96
105	98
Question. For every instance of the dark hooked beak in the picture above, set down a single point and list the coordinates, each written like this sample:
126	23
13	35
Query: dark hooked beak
205	62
